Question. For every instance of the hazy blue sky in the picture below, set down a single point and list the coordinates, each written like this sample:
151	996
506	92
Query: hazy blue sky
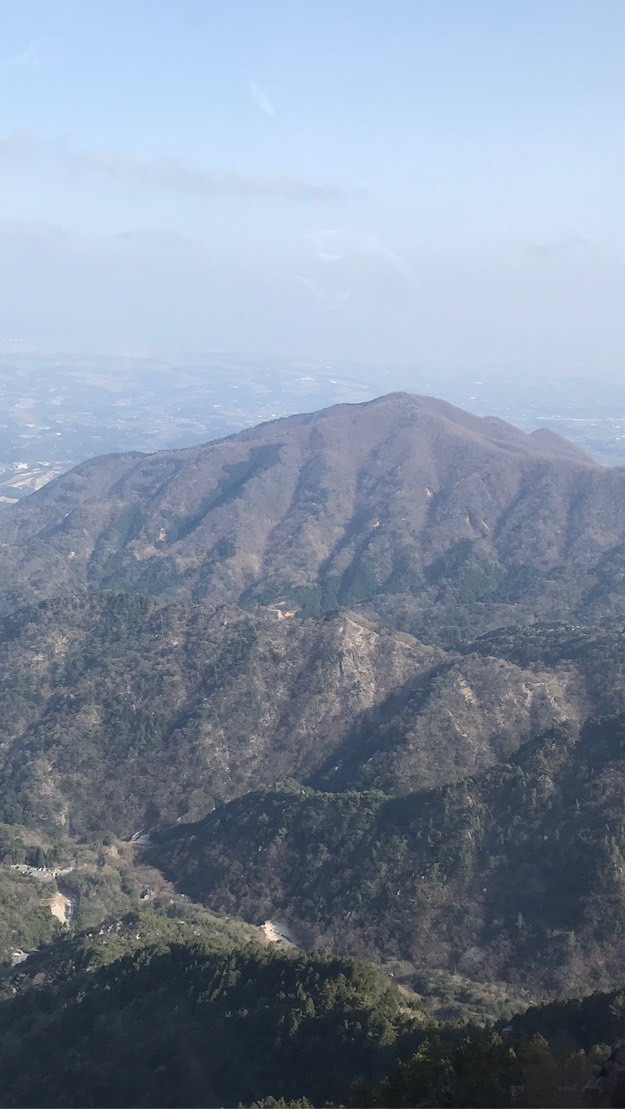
433	182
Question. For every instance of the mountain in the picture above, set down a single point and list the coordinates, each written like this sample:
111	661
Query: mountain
122	712
359	672
149	1013
513	875
161	1007
358	503
152	1012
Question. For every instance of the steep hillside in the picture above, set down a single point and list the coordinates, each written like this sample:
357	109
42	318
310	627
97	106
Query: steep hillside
516	874
121	712
597	1018
357	674
589	658
403	495
157	1011
156	1018
26	920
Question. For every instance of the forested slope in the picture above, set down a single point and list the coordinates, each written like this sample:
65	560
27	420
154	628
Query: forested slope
516	874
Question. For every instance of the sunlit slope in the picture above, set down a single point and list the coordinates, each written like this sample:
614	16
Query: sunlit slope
403	495
121	712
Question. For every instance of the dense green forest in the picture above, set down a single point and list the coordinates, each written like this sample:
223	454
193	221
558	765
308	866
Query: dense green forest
157	1017
161	1010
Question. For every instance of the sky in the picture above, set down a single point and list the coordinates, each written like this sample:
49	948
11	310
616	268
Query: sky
427	182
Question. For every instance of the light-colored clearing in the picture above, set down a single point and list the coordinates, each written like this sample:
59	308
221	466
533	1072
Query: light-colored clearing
61	907
467	692
276	931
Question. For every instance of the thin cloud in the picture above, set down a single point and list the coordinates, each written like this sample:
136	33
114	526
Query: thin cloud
174	176
170	174
36	230
318	239
22	145
561	247
327	243
374	245
329	303
260	98
30	58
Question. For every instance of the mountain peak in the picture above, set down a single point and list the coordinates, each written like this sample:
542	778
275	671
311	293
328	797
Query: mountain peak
328	508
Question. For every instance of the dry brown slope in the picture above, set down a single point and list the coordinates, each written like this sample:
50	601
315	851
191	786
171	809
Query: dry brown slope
119	712
350	501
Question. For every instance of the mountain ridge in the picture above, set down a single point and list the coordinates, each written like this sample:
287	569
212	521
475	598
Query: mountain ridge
513	875
121	711
346	506
383	623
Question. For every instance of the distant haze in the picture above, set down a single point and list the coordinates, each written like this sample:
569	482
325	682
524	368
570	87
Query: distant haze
437	182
